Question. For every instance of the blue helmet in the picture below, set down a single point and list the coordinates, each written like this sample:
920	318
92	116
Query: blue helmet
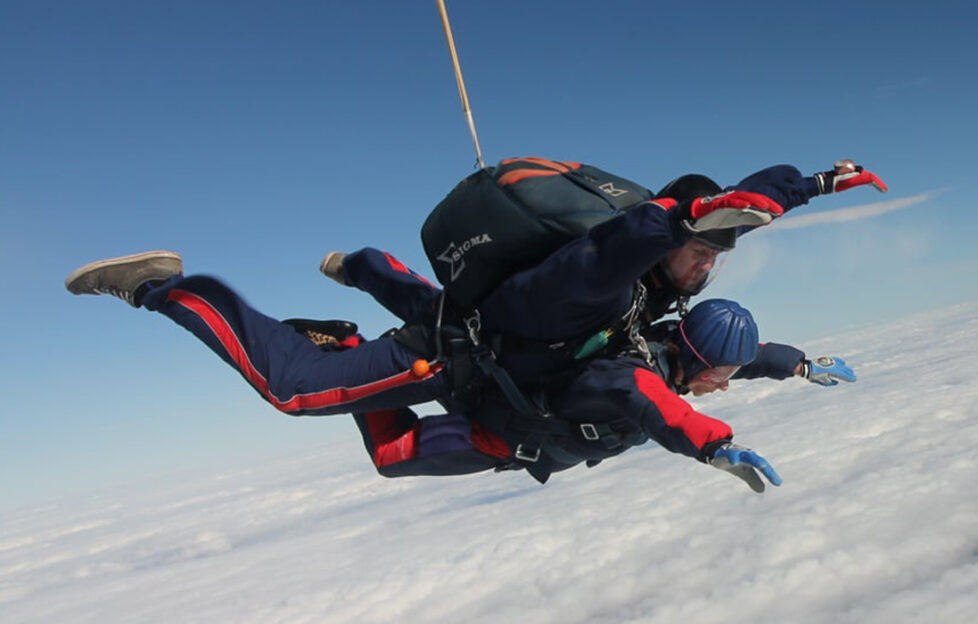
716	332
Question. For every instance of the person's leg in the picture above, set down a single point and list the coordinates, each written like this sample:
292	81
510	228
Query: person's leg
401	444
287	369
392	284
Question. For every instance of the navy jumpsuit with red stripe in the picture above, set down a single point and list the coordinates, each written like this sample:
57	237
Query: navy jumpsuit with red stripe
299	378
579	289
400	443
283	366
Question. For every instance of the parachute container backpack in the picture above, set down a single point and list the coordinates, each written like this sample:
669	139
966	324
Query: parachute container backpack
503	219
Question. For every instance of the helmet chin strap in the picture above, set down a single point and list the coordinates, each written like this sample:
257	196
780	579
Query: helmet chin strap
658	281
682	305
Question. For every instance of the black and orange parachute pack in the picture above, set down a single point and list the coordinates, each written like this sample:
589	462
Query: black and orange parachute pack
503	219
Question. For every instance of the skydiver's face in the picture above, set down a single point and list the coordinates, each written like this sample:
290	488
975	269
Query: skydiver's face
711	380
689	266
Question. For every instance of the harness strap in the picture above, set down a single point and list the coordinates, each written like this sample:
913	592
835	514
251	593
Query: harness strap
536	423
623	329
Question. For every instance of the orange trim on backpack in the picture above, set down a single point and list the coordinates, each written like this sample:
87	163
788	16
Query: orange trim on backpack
514	176
552	168
562	167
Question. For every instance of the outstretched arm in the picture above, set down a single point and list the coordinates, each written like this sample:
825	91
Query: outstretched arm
779	361
614	254
782	183
774	361
673	420
787	186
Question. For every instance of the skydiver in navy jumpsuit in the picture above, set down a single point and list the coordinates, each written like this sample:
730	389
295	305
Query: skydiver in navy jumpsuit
408	296
620	386
577	290
298	379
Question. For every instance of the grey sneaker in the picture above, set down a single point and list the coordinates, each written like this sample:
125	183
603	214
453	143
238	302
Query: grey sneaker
332	267
122	277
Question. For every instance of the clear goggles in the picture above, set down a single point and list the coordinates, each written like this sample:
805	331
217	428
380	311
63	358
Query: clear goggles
717	375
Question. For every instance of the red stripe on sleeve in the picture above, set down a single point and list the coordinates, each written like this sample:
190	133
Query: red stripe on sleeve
700	429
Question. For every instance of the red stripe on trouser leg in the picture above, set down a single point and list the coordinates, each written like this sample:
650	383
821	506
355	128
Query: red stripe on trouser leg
392	442
399	266
488	442
324	398
222	329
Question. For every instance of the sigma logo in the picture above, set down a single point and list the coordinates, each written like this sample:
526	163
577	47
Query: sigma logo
454	254
609	189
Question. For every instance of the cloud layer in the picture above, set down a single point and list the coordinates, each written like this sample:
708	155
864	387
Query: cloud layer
874	523
854	213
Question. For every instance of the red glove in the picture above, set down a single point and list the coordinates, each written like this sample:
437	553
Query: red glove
729	210
846	175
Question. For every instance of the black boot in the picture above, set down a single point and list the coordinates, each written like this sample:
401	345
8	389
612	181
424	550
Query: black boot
323	333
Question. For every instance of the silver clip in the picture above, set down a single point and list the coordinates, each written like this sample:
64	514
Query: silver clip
474	325
520	454
590	432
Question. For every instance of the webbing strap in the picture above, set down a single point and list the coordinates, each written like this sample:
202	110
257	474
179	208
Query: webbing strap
537	423
486	361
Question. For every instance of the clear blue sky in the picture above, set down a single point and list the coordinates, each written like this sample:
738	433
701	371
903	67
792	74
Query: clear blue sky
253	137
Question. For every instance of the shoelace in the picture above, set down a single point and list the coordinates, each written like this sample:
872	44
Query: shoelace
125	295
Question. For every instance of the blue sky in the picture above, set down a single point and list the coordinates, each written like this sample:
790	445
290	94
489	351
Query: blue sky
253	137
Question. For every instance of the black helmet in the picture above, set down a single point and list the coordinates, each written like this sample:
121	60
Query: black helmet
691	186
660	279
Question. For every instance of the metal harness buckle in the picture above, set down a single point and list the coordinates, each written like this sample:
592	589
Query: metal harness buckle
524	456
474	324
590	432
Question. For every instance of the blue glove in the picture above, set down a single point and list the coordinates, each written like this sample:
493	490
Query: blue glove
826	371
741	462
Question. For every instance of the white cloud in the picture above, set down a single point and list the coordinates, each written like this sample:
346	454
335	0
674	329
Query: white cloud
872	524
854	213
